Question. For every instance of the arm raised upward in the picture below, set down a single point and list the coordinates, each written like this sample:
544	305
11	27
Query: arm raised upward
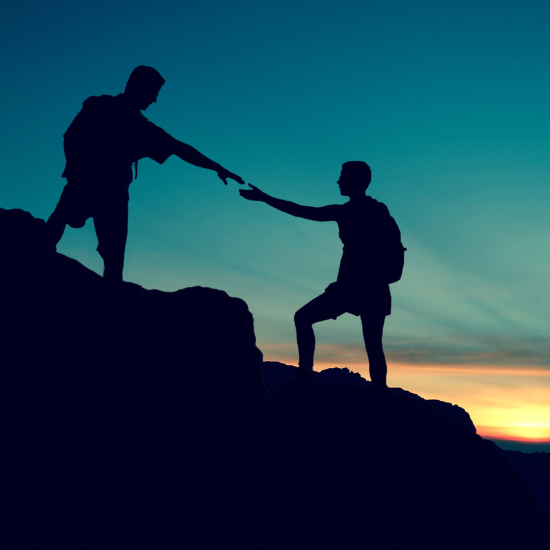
317	214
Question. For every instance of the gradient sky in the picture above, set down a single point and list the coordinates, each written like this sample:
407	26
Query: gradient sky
447	101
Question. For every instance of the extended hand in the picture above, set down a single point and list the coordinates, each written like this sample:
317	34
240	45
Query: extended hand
252	194
223	174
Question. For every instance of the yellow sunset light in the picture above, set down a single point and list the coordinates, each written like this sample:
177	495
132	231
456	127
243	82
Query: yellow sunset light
503	402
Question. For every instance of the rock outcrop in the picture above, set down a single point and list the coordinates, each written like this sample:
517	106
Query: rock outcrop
122	407
276	374
134	418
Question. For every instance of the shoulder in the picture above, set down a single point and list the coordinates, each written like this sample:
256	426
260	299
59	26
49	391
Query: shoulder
152	131
150	127
98	101
378	207
145	121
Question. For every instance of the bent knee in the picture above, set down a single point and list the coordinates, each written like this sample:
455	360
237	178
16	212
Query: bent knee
301	318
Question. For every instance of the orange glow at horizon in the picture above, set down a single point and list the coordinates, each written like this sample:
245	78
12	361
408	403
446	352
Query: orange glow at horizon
504	402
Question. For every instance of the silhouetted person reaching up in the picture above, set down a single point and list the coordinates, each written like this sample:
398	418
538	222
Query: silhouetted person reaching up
372	259
101	144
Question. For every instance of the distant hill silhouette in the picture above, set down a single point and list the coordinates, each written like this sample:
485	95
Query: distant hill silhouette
535	469
135	418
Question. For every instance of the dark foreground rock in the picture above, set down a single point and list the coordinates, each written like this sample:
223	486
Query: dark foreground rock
533	467
138	419
421	479
123	409
275	374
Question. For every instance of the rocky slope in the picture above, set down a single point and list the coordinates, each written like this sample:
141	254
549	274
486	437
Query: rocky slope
275	374
138	419
533	467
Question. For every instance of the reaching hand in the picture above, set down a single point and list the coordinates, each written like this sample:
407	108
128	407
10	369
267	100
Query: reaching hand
252	194
223	174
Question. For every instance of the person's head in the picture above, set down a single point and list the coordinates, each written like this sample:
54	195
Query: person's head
354	178
143	86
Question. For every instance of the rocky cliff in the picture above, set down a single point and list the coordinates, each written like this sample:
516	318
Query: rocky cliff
135	418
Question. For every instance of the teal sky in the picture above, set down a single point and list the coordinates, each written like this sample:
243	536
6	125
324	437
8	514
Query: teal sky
447	101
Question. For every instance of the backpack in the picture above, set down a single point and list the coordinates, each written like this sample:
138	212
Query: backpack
372	242
393	251
100	138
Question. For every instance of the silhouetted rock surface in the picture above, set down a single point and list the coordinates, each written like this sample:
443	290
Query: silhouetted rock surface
122	406
276	374
138	419
420	479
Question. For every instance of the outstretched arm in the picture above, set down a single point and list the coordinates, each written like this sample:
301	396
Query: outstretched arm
317	214
192	156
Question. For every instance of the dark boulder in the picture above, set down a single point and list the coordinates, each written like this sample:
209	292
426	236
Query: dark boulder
122	408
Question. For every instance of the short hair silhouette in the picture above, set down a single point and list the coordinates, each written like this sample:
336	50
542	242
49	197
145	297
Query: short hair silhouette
144	77
358	171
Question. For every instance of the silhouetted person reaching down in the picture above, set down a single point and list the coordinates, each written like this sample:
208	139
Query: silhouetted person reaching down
101	144
373	257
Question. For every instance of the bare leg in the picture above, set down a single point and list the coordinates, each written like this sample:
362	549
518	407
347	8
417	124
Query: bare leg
319	309
305	338
72	209
373	327
55	226
112	270
111	226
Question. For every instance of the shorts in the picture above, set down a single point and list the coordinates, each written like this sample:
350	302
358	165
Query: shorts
368	299
106	201
82	200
